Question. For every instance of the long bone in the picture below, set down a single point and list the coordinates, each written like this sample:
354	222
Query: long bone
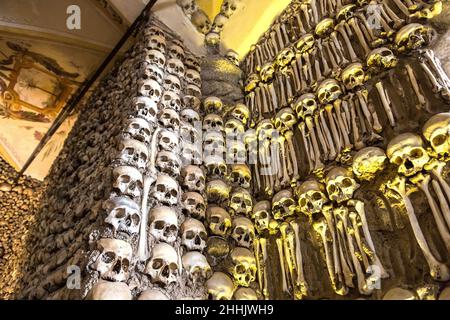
362	41
321	227
438	270
445	209
149	179
329	52
315	146
437	173
423	181
277	162
362	285
285	163
277	28
339	281
359	207
398	22
301	280
347	266
366	28
279	242
289	249
319	78
415	85
363	248
436	65
259	263
341	29
346	116
263	244
273	96
320	134
297	78
340	121
300	23
308	149
337	138
437	87
370	120
308	66
386	102
304	10
363	99
360	116
339	50
326	68
293	156
331	145
402	7
315	13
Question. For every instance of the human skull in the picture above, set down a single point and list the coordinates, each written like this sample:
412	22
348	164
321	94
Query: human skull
189	134
267	72
151	89
234	129
176	51
328	91
128	181
124	215
240	176
201	21
169	119
168	162
113	262
172	83
242	113
175	67
171	100
285	120
217	191
229	7
311	197
236	152
219	221
166	190
437	132
245	294
193	178
139	129
241	202
285	57
368	162
153	31
261	216
105	290
233	57
163	224
324	28
194	91
212	39
243	232
193	77
157	58
190	116
340	184
196	266
152	294
156	42
192	102
219	22
213	122
220	287
353	76
133	153
283	205
191	154
213	105
305	105
191	62
381	59
193	205
163	266
346	12
251	83
146	108
406	151
168	141
243	266
413	36
188	6
153	72
193	235
306	43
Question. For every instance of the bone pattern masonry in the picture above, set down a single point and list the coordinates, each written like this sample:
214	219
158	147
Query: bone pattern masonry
18	204
340	113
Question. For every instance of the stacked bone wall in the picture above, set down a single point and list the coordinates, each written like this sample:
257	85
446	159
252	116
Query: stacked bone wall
19	200
334	84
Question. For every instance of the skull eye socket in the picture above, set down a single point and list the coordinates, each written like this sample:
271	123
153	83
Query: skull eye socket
239	231
125	179
191	202
439	140
347	182
174	193
129	151
173	266
316	196
108	257
332	188
125	265
157	264
416	153
120	213
190	235
215	219
397	160
240	269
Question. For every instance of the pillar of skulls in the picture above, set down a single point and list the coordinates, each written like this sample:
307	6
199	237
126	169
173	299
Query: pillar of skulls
315	168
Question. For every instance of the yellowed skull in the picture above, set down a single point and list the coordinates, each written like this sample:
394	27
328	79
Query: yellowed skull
311	197
251	82
267	72
353	76
285	119
381	59
306	105
413	36
328	91
325	27
306	43
437	132
283	205
340	184
368	162
407	152
285	57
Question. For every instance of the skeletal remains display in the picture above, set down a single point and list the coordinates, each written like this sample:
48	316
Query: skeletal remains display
328	181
